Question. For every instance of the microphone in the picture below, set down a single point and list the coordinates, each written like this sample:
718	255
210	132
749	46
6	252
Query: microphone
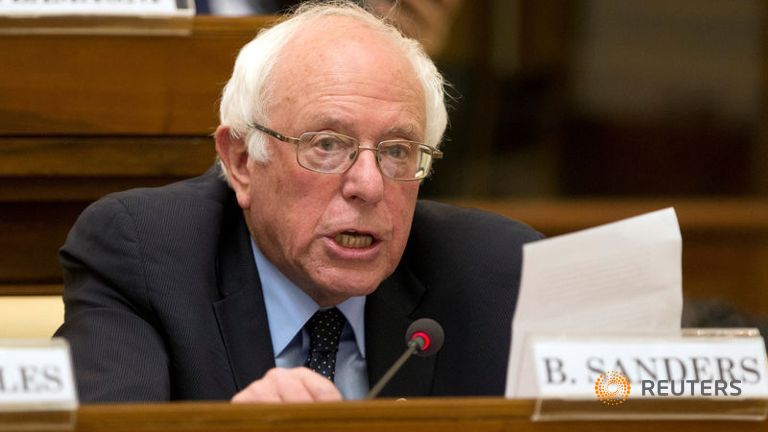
423	338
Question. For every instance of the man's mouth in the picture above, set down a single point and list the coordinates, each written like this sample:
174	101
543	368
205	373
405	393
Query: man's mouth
354	240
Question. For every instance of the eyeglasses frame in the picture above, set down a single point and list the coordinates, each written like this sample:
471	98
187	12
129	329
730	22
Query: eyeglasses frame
433	152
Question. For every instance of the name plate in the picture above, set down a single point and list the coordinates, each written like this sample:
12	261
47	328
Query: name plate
615	369
36	376
159	8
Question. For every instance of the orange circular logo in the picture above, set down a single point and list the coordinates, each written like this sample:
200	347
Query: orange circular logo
612	388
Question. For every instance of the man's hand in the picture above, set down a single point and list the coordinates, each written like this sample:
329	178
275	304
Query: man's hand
289	385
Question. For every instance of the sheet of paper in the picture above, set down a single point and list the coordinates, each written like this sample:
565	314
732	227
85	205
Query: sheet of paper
621	277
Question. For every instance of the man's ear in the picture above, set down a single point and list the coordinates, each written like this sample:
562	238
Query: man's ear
234	156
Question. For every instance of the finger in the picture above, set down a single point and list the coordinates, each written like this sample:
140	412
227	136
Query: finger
258	391
319	387
277	385
291	384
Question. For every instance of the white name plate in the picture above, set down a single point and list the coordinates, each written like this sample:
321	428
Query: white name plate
94	7
614	369
36	376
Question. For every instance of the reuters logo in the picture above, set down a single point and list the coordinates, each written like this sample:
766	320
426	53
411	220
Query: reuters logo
612	388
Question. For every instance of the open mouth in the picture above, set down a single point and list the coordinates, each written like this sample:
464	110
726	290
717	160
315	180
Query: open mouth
354	240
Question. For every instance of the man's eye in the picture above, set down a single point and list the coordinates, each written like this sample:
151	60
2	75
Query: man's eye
398	152
328	144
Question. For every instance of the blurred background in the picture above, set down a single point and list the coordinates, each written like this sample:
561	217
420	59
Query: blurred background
566	114
606	98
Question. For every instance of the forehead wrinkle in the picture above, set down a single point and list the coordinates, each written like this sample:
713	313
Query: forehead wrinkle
341	81
334	103
335	99
350	87
408	132
323	121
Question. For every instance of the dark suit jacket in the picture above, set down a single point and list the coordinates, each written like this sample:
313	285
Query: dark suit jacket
163	299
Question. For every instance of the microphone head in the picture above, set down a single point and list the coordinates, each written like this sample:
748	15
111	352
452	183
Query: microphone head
430	334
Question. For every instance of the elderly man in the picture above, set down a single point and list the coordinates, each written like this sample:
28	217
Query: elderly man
295	279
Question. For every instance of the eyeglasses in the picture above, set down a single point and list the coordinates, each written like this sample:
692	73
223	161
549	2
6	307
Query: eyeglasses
333	153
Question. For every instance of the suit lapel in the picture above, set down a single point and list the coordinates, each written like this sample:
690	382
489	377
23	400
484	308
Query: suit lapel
241	314
389	312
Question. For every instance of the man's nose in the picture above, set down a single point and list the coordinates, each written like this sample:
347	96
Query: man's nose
363	181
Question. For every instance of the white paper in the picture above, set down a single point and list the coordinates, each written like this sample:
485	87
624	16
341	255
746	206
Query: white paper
621	277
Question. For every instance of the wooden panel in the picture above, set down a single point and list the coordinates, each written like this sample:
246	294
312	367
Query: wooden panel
30	236
31	290
161	80
54	189
78	156
443	415
727	268
552	217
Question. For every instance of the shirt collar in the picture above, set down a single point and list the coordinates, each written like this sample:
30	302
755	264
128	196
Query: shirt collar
289	307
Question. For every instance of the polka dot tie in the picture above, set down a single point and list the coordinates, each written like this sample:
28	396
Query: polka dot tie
324	334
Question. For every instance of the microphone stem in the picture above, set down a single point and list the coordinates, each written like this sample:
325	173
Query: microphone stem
412	347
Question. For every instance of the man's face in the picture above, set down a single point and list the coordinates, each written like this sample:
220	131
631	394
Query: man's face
333	235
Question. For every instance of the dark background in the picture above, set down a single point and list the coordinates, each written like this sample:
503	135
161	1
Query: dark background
606	98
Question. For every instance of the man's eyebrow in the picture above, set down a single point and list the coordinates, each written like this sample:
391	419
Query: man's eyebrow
408	132
333	123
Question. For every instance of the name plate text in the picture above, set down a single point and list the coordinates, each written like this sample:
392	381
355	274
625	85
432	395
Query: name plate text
92	7
637	367
36	375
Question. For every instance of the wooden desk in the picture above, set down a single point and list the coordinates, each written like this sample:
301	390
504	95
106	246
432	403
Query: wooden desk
439	415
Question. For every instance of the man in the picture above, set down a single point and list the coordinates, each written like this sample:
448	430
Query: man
214	290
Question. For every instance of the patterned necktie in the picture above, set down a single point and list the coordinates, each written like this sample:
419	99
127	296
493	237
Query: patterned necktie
324	334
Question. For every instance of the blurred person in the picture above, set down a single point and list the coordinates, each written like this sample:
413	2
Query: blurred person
290	271
721	313
428	21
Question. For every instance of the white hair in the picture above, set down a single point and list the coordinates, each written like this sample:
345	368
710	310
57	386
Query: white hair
246	94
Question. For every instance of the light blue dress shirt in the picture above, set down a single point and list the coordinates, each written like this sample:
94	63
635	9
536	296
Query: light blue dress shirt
289	308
